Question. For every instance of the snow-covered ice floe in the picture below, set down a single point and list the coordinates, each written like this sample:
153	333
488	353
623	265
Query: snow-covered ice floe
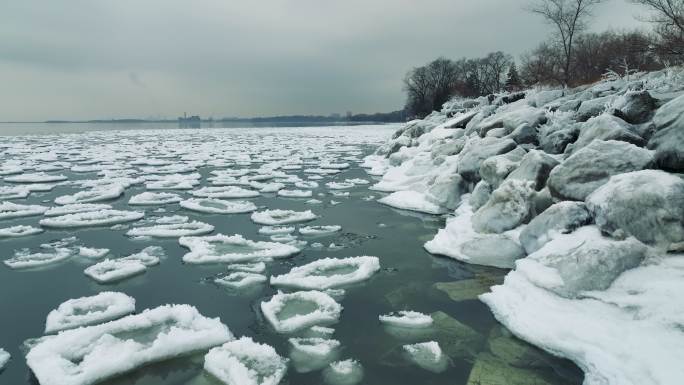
274	230
295	193
25	259
4	358
427	355
9	210
312	353
232	249
154	198
339	185
98	194
291	312
172	230
240	279
218	206
245	362
224	192
88	355
94	253
329	273
256	267
92	218
347	372
282	217
112	270
37	177
319	230
76	208
413	201
19	231
86	311
407	319
149	256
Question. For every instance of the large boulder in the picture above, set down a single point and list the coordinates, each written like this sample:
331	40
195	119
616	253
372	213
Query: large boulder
584	260
648	205
634	107
668	141
477	151
480	194
535	167
511	120
495	169
592	166
509	206
561	218
593	107
446	190
606	127
446	148
555	141
524	134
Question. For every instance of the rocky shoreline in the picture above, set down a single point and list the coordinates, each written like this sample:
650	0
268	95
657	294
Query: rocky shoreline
580	193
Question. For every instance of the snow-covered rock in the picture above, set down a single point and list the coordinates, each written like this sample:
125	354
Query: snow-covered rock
668	141
508	207
561	218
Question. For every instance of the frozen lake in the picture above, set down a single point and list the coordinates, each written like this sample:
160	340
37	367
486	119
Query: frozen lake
315	168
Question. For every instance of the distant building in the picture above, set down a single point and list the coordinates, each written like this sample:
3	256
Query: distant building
186	121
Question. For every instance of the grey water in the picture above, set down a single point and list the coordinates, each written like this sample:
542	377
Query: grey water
406	281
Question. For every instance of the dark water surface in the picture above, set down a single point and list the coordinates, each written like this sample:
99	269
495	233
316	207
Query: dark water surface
406	281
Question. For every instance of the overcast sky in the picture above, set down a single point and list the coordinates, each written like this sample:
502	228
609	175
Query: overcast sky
86	59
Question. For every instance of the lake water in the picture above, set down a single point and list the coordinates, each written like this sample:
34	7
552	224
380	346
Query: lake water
407	280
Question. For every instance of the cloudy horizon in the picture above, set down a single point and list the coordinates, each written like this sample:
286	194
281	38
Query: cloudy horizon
80	59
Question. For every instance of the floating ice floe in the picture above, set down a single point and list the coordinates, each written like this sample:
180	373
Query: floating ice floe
172	230
240	279
267	187
9	210
224	192
312	353
413	201
25	259
19	231
329	273
154	198
339	185
93	253
92	218
347	372
284	238
319	230
112	270
14	192
232	249
273	230
407	319
218	206
86	311
76	208
98	194
292	312
37	177
256	267
174	182
4	358
295	193
89	355
357	181
306	184
282	217
245	362
427	355
149	256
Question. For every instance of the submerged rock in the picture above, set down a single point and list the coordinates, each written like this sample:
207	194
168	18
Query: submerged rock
490	370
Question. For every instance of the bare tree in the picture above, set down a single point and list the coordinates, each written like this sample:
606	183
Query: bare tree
569	17
668	15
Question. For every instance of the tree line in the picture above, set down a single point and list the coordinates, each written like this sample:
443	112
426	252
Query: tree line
569	58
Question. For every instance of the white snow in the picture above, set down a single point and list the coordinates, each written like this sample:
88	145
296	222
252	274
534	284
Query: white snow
406	319
347	372
319	230
92	218
329	273
172	230
9	210
85	311
245	362
90	252
154	198
282	217
240	279
411	200
112	270
296	311
224	192
232	249
339	185
92	354
19	231
427	355
295	193
218	206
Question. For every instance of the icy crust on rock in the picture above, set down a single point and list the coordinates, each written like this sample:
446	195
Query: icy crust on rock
329	273
149	198
172	230
347	372
4	358
232	249
19	231
113	270
92	354
76	208
9	210
98	194
427	355
407	319
319	230
413	201
85	311
92	218
240	279
218	206
245	362
282	217
291	312
224	192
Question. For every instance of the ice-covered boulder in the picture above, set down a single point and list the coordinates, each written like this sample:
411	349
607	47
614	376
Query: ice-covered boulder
606	127
480	195
535	166
668	141
524	134
584	260
591	167
509	206
634	107
557	140
245	362
561	218
89	355
329	273
593	107
648	205
495	169
86	311
477	151
446	190
291	312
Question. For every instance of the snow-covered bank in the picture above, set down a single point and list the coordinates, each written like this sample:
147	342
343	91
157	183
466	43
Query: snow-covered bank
580	192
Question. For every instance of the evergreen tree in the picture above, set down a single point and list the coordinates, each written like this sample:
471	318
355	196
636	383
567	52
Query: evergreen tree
513	82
